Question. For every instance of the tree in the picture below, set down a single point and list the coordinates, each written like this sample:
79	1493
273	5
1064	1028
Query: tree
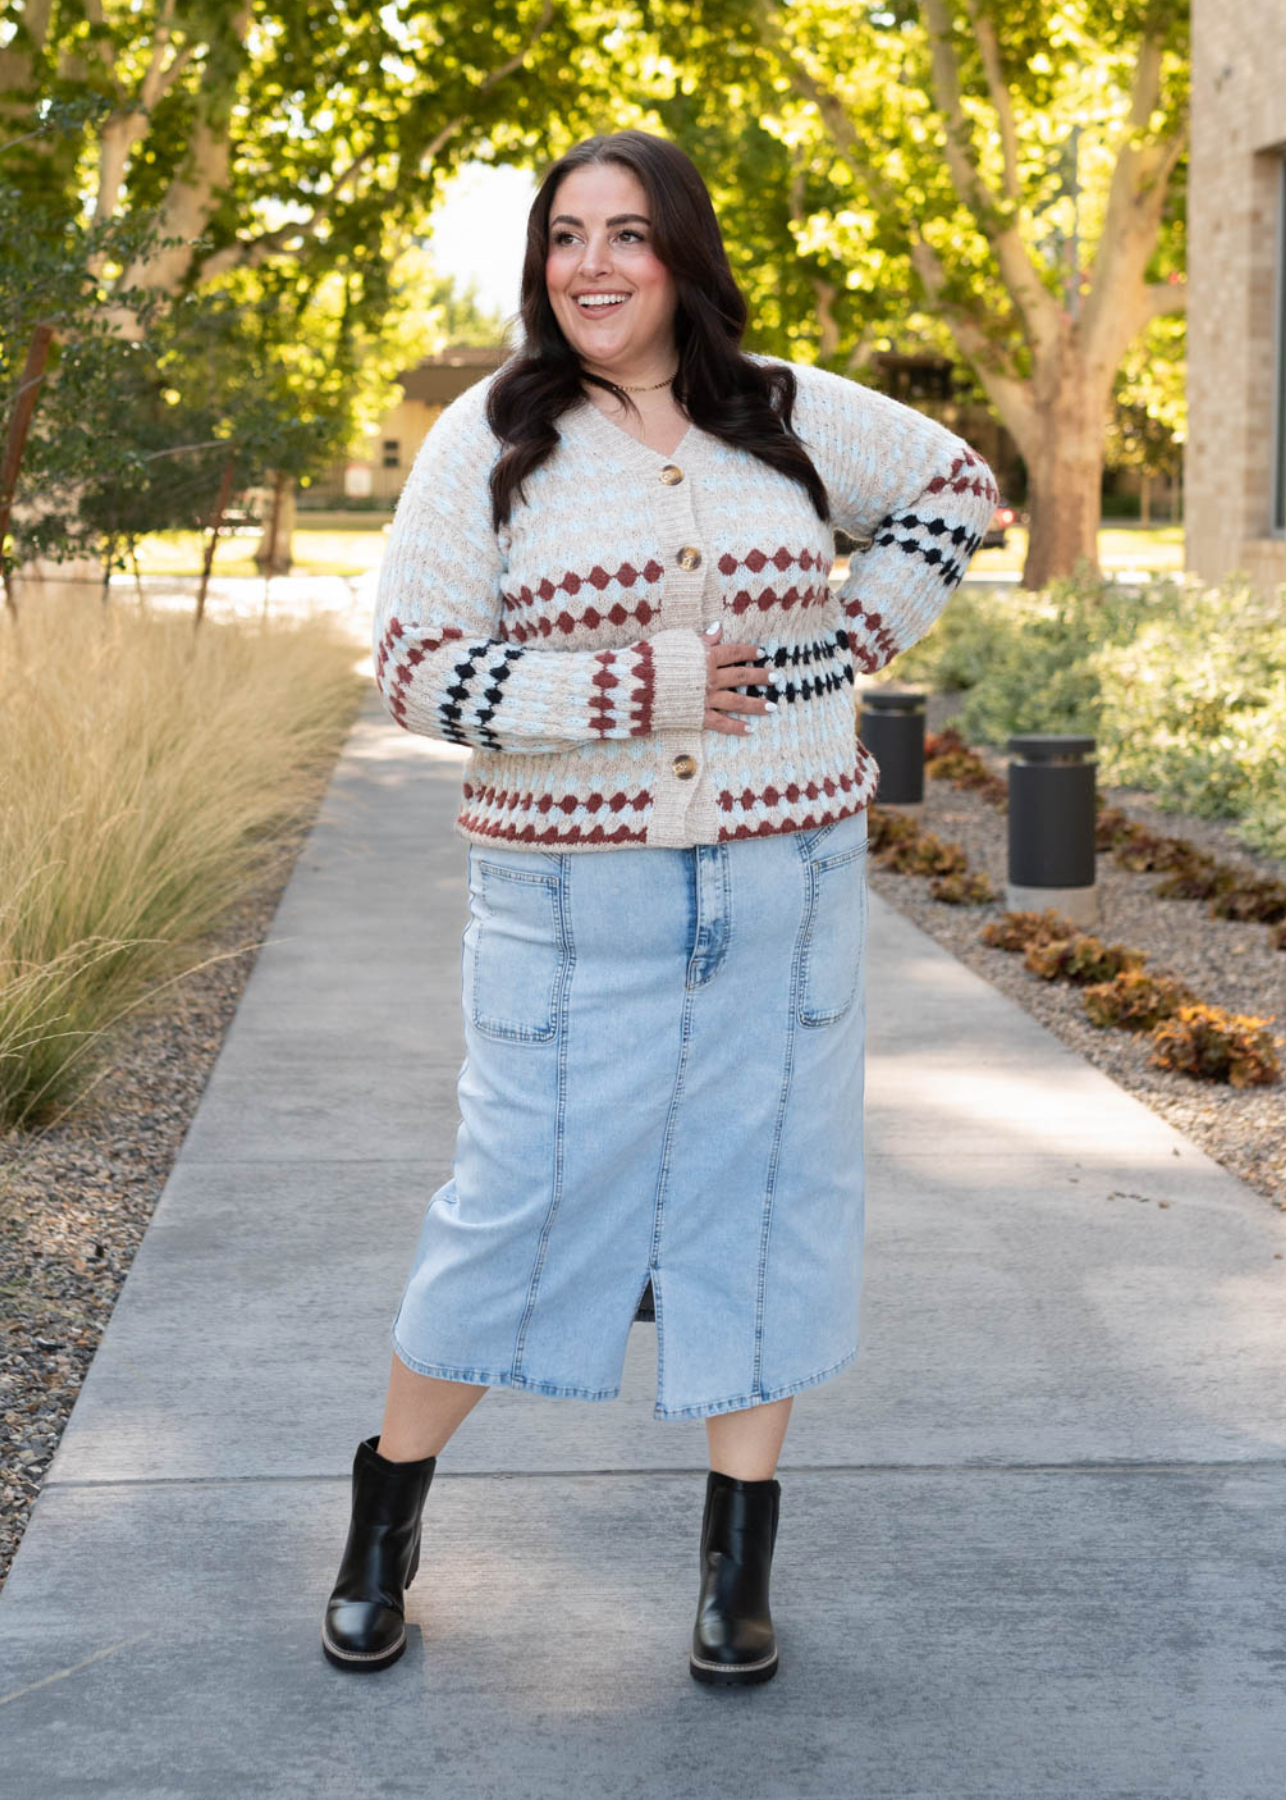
1017	158
288	145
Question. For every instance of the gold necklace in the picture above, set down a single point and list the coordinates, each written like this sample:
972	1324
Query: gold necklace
651	388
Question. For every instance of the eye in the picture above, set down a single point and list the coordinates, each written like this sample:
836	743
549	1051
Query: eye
562	237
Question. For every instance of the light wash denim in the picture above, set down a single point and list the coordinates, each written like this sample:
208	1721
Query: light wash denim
663	1079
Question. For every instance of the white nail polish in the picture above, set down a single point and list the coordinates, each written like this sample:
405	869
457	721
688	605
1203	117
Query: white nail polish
712	626
771	705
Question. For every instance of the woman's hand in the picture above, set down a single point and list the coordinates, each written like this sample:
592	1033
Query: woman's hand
728	667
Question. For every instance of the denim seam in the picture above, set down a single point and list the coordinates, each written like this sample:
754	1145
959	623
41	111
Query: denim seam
763	1397
561	1010
775	1154
663	1176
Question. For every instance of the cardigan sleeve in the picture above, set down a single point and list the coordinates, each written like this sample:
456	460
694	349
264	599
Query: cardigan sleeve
906	482
441	667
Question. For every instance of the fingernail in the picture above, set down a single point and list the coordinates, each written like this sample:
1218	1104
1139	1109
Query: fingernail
713	626
771	705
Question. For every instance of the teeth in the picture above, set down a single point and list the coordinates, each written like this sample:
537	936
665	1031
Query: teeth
599	299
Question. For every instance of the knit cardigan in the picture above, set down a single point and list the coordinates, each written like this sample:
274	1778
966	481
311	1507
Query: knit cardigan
565	650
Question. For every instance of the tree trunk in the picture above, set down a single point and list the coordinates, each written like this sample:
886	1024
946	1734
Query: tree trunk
1065	484
220	507
272	552
1145	499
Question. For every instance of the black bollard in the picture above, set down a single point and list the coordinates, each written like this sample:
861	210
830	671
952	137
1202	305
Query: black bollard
892	728
1052	826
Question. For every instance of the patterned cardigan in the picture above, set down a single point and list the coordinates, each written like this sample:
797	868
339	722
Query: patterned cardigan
565	651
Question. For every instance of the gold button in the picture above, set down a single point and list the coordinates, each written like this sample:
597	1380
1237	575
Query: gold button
689	557
685	767
671	474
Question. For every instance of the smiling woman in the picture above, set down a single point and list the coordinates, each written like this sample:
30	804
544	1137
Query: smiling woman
662	967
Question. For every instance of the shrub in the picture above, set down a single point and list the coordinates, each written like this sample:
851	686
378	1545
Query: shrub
1081	959
960	889
1199	878
1183	686
1016	930
885	829
948	758
1135	1001
148	780
923	854
1215	1045
899	845
1261	900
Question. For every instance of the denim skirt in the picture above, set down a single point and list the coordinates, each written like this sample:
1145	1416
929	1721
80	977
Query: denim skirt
662	1082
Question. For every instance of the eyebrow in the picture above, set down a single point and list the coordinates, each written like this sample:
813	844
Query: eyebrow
620	219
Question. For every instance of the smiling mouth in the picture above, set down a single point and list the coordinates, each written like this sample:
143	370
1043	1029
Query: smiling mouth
594	304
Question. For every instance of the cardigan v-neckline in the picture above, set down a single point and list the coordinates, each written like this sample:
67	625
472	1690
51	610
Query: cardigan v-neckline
612	436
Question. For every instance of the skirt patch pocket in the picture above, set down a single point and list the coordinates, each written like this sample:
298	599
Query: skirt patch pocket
516	951
834	936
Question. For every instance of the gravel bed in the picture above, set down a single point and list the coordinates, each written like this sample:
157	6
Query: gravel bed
1226	963
76	1199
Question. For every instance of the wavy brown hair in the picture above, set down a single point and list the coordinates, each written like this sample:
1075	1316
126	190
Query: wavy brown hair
722	391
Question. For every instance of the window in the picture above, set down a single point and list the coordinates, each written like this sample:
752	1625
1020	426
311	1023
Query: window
1279	390
392	453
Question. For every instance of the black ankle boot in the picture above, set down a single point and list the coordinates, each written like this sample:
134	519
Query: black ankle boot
732	1641
364	1626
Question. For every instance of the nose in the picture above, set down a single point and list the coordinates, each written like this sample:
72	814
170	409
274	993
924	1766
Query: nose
597	258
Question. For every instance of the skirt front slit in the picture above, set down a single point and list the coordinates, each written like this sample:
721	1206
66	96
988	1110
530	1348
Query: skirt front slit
663	1080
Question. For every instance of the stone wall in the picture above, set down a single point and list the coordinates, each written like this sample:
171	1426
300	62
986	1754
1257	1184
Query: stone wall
1235	207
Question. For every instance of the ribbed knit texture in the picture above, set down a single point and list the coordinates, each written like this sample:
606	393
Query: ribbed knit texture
565	650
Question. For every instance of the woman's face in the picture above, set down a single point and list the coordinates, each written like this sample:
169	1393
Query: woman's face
600	244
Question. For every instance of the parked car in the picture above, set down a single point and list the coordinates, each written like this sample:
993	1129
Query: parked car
993	538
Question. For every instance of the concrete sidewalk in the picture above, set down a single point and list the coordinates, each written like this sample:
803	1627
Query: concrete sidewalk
1033	1542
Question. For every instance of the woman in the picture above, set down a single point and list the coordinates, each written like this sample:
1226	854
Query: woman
608	577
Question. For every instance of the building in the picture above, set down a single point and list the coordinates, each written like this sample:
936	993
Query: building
426	389
1236	457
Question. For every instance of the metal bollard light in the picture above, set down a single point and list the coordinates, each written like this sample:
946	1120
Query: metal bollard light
1052	826
892	728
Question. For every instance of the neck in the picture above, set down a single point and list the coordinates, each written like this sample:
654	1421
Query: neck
658	367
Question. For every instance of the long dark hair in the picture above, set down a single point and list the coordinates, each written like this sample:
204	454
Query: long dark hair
722	391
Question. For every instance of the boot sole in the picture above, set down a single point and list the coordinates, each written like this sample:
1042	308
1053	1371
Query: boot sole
732	1674
361	1661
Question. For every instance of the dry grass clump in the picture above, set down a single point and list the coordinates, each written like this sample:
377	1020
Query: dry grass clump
148	775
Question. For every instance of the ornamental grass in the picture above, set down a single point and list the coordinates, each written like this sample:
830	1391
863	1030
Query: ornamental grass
150	777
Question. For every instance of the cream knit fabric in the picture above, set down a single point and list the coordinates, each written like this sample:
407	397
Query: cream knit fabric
565	649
